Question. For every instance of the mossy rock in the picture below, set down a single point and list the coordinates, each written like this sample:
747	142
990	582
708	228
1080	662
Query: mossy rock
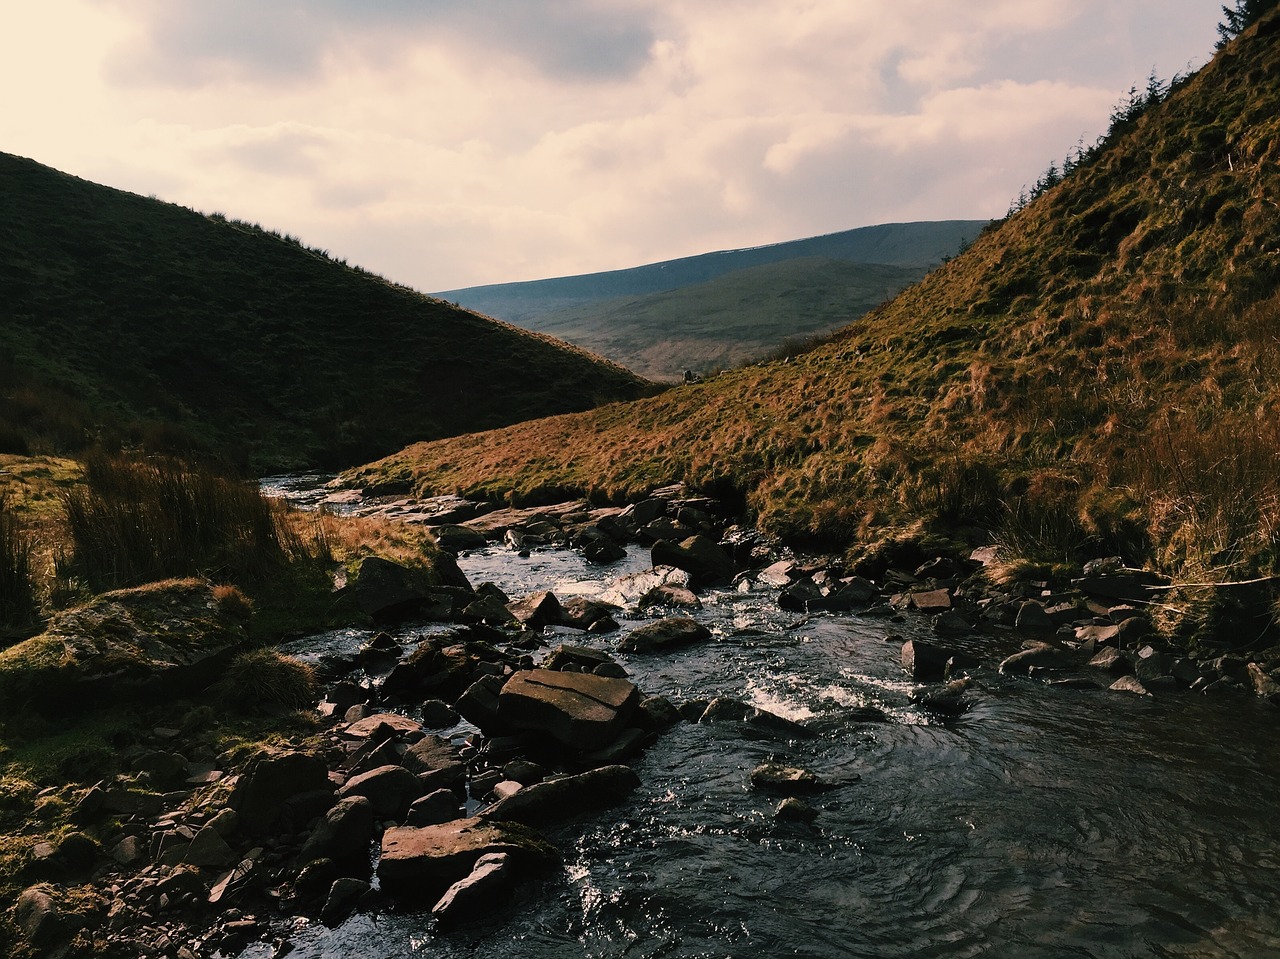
164	638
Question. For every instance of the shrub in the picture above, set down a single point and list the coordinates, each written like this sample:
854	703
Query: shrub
135	521
264	680
18	607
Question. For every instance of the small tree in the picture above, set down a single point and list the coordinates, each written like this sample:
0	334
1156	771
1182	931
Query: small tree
1238	19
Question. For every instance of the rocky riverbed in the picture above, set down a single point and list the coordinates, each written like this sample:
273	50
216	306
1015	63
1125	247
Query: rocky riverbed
494	749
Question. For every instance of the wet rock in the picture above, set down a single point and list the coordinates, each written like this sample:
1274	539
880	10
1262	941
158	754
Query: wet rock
779	575
602	550
1128	684
491	610
1041	654
270	781
455	539
792	809
700	556
582	659
479	704
563	798
385	591
1112	660
657	712
1150	665
723	709
928	662
951	699
588	614
671	633
436	807
788	780
951	623
437	764
537	610
802	596
343	835
425	861
389	789
668	595
580	711
437	714
344	895
930	601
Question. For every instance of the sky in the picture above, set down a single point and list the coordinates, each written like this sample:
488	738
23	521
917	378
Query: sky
452	143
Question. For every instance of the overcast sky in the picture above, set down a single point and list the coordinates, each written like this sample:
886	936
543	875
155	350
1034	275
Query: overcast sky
449	143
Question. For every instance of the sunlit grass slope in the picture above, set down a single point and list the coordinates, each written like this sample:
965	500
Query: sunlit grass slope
1099	372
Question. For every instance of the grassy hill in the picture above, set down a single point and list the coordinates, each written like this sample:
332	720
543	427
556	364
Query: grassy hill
1096	374
923	244
733	318
124	320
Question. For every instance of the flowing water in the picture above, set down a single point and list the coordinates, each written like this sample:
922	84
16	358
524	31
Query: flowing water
1043	822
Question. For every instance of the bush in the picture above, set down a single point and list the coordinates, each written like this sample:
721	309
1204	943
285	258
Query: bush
264	680
18	607
136	521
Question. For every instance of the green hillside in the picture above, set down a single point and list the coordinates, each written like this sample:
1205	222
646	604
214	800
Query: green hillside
1096	374
736	317
127	321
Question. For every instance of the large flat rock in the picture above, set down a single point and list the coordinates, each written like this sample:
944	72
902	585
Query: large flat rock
578	710
426	860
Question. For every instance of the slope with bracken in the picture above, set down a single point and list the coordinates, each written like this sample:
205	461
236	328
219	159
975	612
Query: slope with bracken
131	321
1098	372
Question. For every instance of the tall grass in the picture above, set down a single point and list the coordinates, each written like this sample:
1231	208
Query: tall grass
18	604
139	520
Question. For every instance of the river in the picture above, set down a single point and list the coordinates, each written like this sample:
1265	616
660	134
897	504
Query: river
1043	822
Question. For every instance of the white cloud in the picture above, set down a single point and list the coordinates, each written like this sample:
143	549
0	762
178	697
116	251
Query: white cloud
466	141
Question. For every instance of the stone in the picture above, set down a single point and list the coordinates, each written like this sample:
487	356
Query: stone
950	699
436	807
1128	684
343	835
437	714
536	610
789	780
380	726
209	849
437	763
930	601
802	596
479	704
1150	665
583	659
389	789
581	613
1112	660
270	781
1098	635
427	860
668	595
386	591
344	895
778	575
951	623
670	633
40	918
578	710
700	556
928	662
1262	683
792	809
602	550
1032	618
1041	654
566	797
476	894
851	593
491	610
454	538
724	709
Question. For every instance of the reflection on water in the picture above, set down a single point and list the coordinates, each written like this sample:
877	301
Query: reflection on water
1044	822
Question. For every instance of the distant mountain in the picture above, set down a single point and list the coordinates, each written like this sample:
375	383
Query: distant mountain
619	314
130	322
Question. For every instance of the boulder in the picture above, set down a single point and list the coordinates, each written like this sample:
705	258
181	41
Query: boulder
209	850
479	704
41	919
949	700
564	798
343	835
344	895
778	575
1033	618
929	662
455	539
488	881
270	781
665	634
427	860
437	714
581	613
440	806
930	601
389	789
579	710
536	610
787	780
792	809
385	591
1112	660
491	610
1041	655
700	556
437	764
802	596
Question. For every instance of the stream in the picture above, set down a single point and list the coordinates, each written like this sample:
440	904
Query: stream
1043	822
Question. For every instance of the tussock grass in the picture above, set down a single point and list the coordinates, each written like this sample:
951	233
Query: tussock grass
264	680
18	605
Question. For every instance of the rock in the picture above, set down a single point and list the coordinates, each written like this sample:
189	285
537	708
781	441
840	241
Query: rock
557	800
437	763
385	591
779	575
700	556
343	897
389	789
380	726
951	623
602	550
426	860
1128	684
667	595
582	659
270	781
437	714
536	610
436	807
930	601
792	809
789	780
40	919
657	712
489	879
587	614
1098	635
948	700
802	596
209	849
1032	618
479	704
491	610
665	634
1150	665
578	710
455	539
1041	654
343	835
129	851
928	662
1112	660
723	709
1262	683
851	593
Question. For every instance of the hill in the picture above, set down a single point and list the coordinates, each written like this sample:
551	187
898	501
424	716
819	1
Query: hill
1096	374
127	321
731	319
540	304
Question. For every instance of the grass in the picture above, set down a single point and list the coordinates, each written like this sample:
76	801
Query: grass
135	324
1098	373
